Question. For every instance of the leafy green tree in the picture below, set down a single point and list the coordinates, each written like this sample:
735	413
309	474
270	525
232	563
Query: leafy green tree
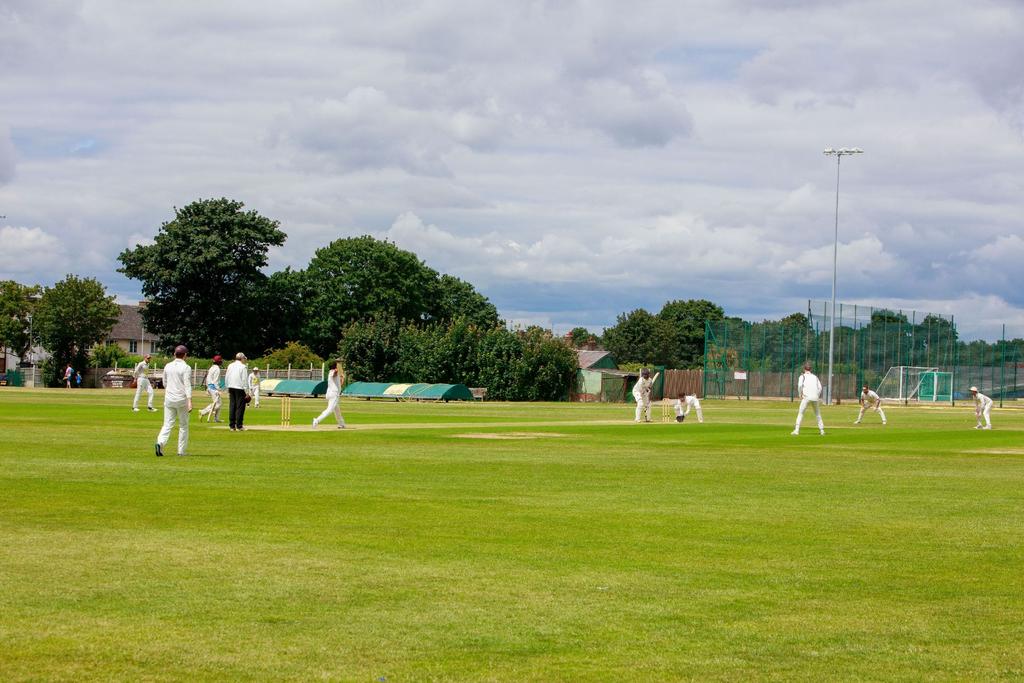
280	308
369	349
457	299
109	355
291	354
549	366
203	278
359	278
797	320
581	336
73	316
687	319
641	337
17	303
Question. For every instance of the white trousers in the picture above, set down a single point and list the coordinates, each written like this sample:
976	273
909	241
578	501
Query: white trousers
817	413
332	407
986	413
700	415
143	385
643	408
877	408
255	393
214	406
175	412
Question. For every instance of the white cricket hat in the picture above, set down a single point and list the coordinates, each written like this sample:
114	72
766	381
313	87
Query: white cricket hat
974	388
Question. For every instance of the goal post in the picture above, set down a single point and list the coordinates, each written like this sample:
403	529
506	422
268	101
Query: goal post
904	383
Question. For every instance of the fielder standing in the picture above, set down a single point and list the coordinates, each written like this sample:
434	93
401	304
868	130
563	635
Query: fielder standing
869	399
333	395
809	388
177	401
236	379
254	387
212	382
642	393
982	408
142	383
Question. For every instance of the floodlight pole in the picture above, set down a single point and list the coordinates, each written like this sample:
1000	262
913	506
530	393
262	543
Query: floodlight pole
838	154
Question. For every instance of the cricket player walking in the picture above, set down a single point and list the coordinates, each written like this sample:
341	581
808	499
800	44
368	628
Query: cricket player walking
254	387
642	393
688	401
212	382
869	399
809	389
177	401
982	408
142	383
333	395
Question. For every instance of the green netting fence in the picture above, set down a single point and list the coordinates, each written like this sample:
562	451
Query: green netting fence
754	360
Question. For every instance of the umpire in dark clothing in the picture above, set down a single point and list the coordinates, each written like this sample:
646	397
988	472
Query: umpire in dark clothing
237	381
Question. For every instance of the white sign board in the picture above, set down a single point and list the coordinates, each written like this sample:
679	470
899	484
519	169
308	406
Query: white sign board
739	375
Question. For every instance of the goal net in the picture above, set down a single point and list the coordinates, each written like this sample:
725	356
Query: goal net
914	383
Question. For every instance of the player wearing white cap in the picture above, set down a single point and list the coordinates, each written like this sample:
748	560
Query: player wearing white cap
982	408
142	383
212	383
642	394
177	401
869	399
254	386
809	389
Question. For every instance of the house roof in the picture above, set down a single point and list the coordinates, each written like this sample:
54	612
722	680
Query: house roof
586	358
129	324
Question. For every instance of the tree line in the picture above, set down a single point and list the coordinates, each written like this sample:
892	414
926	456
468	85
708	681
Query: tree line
379	309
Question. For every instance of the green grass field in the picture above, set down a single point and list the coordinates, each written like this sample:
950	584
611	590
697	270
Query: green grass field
408	548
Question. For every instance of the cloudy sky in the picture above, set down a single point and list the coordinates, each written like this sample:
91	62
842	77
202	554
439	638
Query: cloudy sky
571	159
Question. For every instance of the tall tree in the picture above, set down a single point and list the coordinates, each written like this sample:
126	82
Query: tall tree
72	316
459	299
639	337
203	278
359	278
687	319
581	336
17	302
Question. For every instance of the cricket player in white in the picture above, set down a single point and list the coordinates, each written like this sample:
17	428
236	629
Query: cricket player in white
142	383
809	389
982	408
869	399
177	401
333	395
642	393
212	382
689	401
254	387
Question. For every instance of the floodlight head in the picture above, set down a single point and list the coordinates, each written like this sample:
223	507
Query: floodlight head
829	150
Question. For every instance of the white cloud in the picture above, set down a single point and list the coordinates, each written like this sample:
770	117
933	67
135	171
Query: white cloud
569	158
25	250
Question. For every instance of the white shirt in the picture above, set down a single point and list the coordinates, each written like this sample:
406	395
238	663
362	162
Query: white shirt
254	380
334	384
140	369
212	375
686	401
177	381
642	388
981	400
869	396
236	376
809	386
